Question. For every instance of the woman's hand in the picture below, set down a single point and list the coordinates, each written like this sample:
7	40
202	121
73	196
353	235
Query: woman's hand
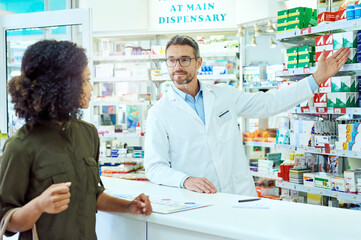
55	198
140	205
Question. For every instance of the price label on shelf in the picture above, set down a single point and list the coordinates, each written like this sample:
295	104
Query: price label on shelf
355	154
354	197
306	148
294	187
339	110
305	30
321	109
328	26
308	189
321	192
306	70
285	71
333	152
355	23
336	194
318	150
343	153
305	109
355	111
291	148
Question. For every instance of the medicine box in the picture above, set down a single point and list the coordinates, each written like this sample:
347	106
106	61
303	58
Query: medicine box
281	29
300	11
326	17
293	65
338	184
308	57
309	179
282	22
292	59
305	64
320	99
323	181
291	52
349	39
343	84
351	177
305	50
282	14
337	41
323	40
352	58
325	86
321	140
328	54
340	99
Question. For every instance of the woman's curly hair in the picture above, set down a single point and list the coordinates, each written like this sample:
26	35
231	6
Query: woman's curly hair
49	88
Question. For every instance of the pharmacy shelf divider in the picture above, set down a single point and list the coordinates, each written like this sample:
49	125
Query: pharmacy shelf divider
320	191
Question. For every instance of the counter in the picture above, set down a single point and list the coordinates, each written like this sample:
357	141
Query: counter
278	220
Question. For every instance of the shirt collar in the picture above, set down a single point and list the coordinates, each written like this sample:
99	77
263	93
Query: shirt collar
184	95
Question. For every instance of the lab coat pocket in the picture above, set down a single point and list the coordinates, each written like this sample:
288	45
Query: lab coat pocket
227	126
92	171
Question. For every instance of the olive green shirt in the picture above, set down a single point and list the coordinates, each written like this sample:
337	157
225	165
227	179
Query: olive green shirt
42	155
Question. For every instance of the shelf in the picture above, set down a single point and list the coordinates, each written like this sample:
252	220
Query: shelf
320	191
200	77
265	175
13	65
339	25
120	79
329	110
105	159
121	58
120	135
259	87
119	103
342	153
307	71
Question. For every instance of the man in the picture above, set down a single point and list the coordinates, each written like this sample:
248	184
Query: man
192	138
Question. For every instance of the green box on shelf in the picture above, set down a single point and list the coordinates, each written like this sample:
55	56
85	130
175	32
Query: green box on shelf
281	29
305	64
337	40
282	14
282	22
349	39
298	19
306	58
291	59
312	22
305	50
352	58
300	11
340	99
344	84
290	66
291	52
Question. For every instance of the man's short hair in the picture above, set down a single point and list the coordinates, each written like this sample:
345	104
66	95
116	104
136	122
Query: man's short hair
184	40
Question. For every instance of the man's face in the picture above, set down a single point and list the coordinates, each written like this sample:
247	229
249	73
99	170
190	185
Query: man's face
179	74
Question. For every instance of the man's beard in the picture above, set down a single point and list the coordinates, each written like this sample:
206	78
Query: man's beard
187	80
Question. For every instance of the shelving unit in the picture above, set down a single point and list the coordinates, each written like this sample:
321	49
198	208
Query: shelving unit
106	103
320	191
315	150
265	175
303	72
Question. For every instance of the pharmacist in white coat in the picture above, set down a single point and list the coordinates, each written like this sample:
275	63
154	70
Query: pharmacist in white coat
193	140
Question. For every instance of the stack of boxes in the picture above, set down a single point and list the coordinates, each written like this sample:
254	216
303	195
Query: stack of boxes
302	132
292	58
296	18
306	56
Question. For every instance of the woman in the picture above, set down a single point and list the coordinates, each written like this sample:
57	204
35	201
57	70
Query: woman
50	167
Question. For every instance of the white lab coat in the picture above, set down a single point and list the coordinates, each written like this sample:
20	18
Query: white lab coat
178	144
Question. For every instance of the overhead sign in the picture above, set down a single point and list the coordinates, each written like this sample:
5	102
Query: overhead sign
187	14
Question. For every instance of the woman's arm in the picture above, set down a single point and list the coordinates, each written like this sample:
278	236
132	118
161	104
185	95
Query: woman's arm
53	200
140	205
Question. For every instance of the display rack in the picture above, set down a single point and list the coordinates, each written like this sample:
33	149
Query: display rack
320	191
265	175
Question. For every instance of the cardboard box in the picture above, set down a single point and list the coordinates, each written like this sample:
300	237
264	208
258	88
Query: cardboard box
281	29
320	99
325	86
337	41
326	17
349	39
305	50
296	26
282	14
291	52
305	64
343	84
338	184
309	179
323	40
328	54
340	99
351	177
352	58
323	180
290	66
282	22
300	11
340	15
306	58
292	59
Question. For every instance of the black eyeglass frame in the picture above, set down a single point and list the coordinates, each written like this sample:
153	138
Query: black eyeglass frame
179	60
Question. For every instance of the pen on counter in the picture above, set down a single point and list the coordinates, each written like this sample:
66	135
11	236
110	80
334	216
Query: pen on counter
249	200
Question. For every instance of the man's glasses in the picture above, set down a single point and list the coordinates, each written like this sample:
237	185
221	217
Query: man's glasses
183	61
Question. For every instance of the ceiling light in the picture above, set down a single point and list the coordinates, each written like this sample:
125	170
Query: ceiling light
240	32
270	27
272	43
253	43
257	31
